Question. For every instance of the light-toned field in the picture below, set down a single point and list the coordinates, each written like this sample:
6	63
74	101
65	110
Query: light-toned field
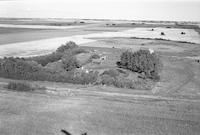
172	107
37	26
30	48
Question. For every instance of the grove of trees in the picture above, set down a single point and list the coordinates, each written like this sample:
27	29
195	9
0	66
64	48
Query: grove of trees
142	61
34	68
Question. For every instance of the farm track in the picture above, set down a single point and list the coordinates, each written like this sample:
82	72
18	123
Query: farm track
64	91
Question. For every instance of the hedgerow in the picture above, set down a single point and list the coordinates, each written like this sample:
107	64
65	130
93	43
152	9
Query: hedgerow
123	82
23	86
18	68
19	86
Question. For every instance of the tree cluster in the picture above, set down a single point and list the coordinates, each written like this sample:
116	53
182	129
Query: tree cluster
34	68
142	61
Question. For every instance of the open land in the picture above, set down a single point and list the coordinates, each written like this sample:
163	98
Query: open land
171	107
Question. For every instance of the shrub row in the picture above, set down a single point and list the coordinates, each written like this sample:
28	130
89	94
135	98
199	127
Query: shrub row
19	86
18	68
123	82
45	59
23	86
34	68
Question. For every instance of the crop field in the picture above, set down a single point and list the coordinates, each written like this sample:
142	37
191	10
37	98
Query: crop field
170	107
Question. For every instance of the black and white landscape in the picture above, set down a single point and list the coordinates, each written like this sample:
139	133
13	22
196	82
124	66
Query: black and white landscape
99	67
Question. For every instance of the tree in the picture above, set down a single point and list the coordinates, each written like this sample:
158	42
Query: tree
70	63
141	61
65	47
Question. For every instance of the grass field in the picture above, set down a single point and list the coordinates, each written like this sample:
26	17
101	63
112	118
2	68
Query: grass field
172	107
37	114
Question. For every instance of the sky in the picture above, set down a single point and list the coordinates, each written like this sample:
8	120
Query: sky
166	10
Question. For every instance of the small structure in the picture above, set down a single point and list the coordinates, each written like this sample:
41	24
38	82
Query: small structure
151	51
103	58
182	33
198	61
162	33
86	71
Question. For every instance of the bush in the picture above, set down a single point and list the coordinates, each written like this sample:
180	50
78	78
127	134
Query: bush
56	67
123	82
107	80
85	78
70	63
67	46
19	86
45	59
18	68
141	61
111	72
70	48
162	33
112	77
76	51
95	56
